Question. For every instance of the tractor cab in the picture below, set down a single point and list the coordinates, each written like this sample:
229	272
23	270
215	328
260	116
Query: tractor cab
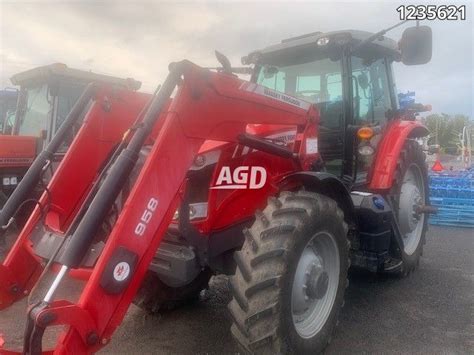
348	76
46	96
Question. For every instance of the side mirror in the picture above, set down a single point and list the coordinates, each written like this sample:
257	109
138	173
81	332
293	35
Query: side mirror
416	45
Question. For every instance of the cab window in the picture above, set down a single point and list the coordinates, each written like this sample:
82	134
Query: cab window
317	81
37	111
272	78
307	85
67	97
68	94
370	89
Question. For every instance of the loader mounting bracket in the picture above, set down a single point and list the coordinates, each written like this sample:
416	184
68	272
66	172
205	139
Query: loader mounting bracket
190	233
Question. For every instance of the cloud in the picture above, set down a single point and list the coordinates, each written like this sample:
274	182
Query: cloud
139	39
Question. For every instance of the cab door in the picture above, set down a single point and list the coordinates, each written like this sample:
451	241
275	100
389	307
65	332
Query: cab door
372	99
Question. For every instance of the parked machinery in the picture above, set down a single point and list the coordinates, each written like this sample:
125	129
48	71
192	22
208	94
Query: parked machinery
281	182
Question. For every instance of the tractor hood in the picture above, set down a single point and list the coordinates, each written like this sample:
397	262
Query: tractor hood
17	151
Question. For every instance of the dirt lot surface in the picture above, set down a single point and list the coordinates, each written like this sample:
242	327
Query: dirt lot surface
429	312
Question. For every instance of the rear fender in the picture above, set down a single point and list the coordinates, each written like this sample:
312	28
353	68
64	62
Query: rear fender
389	150
324	184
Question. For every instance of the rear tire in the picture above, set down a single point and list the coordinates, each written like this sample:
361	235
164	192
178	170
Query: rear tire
411	179
270	315
154	296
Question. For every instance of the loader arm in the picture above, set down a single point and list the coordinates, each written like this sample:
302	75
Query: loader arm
206	106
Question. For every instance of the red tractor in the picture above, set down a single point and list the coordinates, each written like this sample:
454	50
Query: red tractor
282	183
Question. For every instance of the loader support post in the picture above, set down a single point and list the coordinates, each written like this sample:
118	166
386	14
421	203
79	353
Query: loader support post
119	172
31	179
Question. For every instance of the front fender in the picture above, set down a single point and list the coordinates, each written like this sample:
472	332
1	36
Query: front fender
389	150
324	184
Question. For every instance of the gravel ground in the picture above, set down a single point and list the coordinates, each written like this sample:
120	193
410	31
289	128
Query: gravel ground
430	312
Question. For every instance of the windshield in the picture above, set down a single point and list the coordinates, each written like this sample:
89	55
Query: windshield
318	81
36	111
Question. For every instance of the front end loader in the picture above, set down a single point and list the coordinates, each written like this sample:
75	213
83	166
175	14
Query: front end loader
281	183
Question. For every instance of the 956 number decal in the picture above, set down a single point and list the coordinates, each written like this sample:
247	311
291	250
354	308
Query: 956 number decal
432	12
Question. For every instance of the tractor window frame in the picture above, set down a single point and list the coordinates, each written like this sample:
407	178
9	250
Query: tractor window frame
67	95
388	96
393	86
359	178
69	91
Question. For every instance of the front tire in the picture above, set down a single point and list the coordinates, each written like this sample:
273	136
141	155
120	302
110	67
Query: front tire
291	276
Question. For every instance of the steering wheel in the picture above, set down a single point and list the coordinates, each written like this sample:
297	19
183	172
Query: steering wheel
309	95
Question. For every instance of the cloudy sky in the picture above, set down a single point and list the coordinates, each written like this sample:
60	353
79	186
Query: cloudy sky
139	38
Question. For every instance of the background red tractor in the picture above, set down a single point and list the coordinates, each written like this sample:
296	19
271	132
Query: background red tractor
46	96
282	182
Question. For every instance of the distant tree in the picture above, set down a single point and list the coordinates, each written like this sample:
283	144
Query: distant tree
445	129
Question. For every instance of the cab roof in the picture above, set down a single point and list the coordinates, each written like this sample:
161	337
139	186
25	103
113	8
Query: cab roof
58	70
384	45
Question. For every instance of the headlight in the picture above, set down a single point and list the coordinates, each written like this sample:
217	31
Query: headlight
10	181
366	150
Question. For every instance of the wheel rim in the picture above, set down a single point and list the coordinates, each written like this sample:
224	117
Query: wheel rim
315	284
412	197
